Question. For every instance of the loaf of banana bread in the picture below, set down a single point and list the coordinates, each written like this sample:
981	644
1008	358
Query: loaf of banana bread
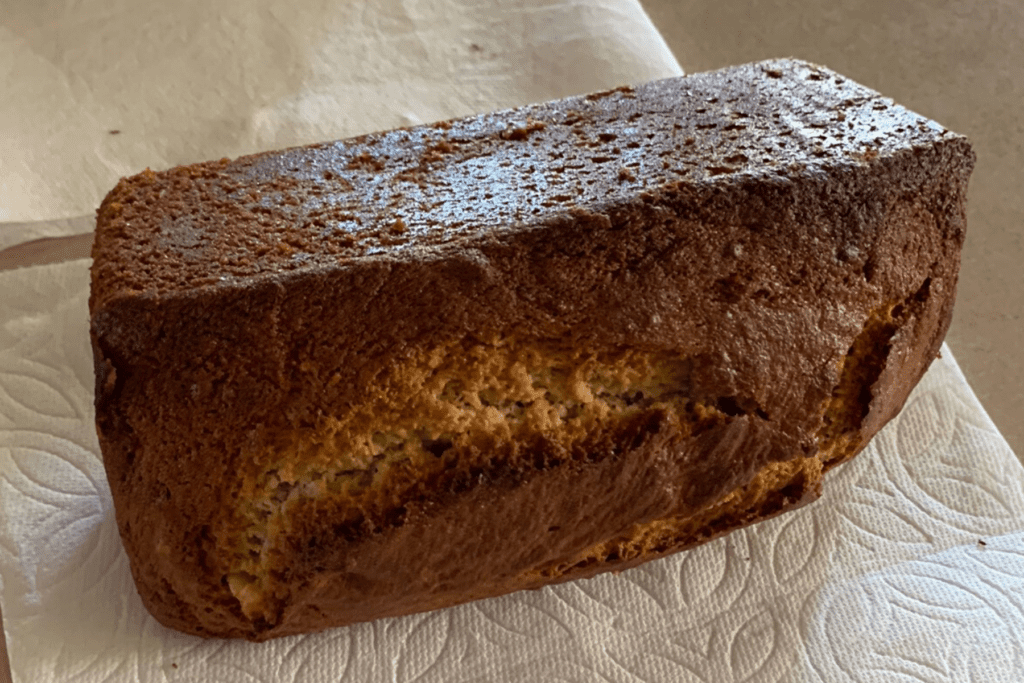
415	368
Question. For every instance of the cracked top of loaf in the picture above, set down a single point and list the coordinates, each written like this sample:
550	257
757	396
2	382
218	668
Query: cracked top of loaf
418	192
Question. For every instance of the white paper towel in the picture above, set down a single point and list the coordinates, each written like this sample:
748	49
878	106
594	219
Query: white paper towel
883	579
911	566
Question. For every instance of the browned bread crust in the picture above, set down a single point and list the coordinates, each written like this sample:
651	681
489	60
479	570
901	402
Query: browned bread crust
415	368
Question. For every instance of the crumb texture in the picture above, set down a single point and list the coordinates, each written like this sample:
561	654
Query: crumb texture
446	412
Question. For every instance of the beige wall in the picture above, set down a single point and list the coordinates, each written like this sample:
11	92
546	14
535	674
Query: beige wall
960	62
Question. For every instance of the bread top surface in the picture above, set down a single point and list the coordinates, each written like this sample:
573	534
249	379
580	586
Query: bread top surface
418	193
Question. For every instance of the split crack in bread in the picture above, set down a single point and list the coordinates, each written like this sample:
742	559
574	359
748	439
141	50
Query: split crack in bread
403	371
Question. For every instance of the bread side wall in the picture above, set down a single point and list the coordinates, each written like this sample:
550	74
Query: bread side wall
762	289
